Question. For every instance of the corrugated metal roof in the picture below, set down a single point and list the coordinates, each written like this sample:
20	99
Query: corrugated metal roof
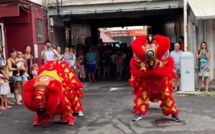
119	7
203	9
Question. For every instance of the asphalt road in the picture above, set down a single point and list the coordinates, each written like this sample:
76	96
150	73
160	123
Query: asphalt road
108	110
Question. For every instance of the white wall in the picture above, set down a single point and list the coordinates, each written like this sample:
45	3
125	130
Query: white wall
191	39
206	32
200	32
210	42
37	1
192	42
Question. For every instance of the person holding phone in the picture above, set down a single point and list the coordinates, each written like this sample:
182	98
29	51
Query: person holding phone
203	57
49	54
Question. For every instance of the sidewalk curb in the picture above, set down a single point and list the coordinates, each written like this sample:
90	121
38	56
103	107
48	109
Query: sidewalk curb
179	93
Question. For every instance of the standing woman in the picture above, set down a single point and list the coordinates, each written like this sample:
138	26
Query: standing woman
66	56
19	80
73	58
80	59
203	57
91	64
29	60
58	49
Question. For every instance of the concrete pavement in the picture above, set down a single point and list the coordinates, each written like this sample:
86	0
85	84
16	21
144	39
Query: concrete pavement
108	110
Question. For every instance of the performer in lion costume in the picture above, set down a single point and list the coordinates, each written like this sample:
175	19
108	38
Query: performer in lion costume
55	90
152	74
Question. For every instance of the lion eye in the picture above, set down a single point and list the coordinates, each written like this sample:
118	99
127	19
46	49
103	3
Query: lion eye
136	58
166	55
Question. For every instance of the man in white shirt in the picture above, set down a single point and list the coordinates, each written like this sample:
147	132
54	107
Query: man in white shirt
176	55
49	54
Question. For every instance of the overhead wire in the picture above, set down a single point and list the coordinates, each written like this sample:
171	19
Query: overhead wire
134	4
23	7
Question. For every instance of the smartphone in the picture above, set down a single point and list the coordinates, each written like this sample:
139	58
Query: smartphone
48	47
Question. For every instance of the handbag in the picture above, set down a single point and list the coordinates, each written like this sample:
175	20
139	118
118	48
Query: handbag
10	73
198	63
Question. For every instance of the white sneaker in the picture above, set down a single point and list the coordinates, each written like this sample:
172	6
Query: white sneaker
137	117
80	114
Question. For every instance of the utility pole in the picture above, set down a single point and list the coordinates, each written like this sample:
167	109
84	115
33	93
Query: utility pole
185	25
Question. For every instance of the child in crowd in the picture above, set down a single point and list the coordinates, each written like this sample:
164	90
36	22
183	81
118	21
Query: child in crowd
36	66
34	70
80	70
4	87
77	69
119	66
20	64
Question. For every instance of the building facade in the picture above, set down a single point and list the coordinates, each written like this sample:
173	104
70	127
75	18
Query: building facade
81	19
22	23
201	27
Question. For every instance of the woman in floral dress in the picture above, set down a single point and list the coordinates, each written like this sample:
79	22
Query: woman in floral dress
203	57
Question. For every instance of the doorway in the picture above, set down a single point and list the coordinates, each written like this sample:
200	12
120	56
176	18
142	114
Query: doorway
2	39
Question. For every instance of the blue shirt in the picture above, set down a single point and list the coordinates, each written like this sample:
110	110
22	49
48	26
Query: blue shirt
91	56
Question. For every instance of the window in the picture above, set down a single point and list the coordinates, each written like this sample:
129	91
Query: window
39	26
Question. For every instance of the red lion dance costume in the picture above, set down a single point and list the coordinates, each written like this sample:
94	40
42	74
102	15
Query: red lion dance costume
152	75
55	90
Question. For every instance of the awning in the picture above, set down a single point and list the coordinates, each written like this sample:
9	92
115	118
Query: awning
107	39
9	10
203	9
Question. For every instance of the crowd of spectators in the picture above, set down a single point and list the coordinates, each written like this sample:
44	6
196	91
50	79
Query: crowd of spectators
90	63
14	72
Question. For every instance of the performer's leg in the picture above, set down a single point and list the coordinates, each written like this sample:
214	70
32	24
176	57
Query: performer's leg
76	103
168	103
141	104
36	123
67	114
